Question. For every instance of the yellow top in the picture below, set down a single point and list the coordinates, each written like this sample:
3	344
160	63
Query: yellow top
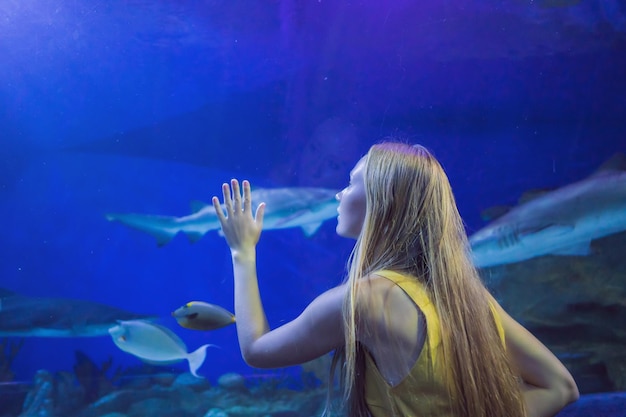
423	392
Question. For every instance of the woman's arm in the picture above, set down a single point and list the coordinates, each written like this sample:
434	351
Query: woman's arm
318	330
548	385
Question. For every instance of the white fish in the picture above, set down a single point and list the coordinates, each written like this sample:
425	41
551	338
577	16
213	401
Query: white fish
155	344
306	208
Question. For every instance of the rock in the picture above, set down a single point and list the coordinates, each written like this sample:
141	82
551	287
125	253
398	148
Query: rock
232	381
216	412
188	380
576	306
167	379
285	413
151	407
117	401
188	400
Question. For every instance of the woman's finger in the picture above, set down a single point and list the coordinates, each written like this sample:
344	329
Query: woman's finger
227	200
236	195
247	197
218	209
258	217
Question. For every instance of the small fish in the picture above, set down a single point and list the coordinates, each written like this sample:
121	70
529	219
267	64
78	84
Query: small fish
155	344
198	315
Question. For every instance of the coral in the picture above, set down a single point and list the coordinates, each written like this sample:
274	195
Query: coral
92	378
12	393
8	352
52	395
40	401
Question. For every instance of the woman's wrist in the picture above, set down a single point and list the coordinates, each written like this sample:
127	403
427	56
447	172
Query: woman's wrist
244	255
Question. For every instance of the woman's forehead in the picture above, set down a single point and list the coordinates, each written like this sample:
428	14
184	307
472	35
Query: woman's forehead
360	163
358	167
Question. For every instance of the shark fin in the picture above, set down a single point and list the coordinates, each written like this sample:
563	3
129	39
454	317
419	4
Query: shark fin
616	163
310	229
533	194
194	236
162	238
197	205
494	212
582	249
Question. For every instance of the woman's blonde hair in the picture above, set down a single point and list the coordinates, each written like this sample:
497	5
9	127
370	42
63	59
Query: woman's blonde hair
412	225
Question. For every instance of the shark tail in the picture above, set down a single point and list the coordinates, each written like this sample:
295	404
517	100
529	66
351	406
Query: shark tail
163	228
196	359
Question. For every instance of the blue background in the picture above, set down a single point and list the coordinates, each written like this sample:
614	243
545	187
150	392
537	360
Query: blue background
145	106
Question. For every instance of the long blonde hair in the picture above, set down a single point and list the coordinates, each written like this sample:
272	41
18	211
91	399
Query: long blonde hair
412	225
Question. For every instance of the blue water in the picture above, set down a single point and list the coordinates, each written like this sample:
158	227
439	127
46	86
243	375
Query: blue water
144	107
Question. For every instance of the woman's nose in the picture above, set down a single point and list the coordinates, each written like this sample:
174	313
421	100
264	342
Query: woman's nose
338	195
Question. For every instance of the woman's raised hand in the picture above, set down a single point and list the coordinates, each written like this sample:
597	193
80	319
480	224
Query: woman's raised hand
242	231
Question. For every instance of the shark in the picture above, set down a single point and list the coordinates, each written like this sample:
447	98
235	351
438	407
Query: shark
304	207
24	316
561	222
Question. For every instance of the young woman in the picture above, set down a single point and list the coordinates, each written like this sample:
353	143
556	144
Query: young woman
414	329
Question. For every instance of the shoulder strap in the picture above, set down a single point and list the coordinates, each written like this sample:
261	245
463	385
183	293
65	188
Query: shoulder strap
417	292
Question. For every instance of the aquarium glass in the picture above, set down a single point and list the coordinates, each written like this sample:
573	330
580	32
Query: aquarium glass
120	120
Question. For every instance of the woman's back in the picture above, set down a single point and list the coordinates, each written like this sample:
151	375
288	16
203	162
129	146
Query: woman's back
404	365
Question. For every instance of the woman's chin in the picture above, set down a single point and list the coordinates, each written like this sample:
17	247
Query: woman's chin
343	233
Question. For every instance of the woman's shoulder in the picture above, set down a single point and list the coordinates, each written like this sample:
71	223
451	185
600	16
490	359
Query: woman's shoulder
407	282
385	291
392	275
